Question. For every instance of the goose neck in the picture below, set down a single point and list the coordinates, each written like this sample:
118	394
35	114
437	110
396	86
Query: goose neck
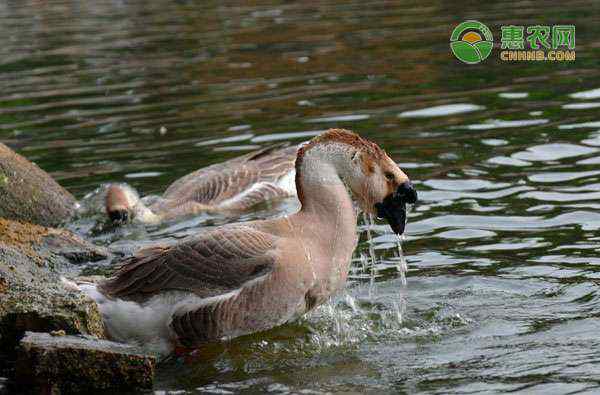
321	182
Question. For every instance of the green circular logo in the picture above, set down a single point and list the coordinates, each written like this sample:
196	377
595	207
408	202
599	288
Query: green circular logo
471	42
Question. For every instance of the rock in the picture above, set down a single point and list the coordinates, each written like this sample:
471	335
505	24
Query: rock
32	296
73	364
29	193
48	246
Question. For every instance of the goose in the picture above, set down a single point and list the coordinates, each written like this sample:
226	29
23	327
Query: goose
242	278
228	187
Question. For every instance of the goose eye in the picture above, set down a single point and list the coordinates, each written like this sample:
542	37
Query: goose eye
389	176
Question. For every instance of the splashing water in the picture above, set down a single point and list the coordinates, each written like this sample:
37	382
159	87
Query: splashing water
342	325
402	267
369	220
399	305
369	265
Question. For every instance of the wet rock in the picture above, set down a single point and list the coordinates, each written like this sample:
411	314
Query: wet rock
29	193
32	296
73	364
48	246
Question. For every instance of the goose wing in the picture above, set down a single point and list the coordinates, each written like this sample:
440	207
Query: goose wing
211	264
258	193
266	152
222	181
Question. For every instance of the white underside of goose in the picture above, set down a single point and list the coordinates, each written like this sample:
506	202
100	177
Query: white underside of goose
148	324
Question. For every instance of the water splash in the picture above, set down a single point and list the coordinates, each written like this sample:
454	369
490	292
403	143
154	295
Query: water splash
369	221
402	267
341	328
370	268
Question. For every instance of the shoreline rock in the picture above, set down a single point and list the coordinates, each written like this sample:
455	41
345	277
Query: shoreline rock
72	357
30	194
51	336
73	364
32	296
48	246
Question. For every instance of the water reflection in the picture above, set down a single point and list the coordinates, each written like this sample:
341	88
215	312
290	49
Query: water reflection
440	111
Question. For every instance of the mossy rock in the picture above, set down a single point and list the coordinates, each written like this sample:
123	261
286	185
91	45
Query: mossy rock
30	194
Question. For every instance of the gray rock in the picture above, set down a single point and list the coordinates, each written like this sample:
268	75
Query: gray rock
32	297
29	193
73	364
48	246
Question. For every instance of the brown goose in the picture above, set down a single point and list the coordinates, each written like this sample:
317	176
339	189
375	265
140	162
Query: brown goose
231	186
242	278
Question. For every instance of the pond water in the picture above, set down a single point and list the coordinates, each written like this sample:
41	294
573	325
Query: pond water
502	250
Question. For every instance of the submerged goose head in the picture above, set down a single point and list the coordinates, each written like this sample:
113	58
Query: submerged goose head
123	204
375	181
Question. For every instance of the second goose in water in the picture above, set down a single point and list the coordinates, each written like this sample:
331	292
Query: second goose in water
228	187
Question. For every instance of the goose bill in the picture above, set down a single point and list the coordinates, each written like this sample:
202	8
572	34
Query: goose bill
393	210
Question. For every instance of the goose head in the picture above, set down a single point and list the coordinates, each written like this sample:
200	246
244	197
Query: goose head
374	180
381	187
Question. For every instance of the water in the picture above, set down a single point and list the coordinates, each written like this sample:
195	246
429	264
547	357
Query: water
502	250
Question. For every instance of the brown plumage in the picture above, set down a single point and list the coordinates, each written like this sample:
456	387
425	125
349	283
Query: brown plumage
195	265
241	278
